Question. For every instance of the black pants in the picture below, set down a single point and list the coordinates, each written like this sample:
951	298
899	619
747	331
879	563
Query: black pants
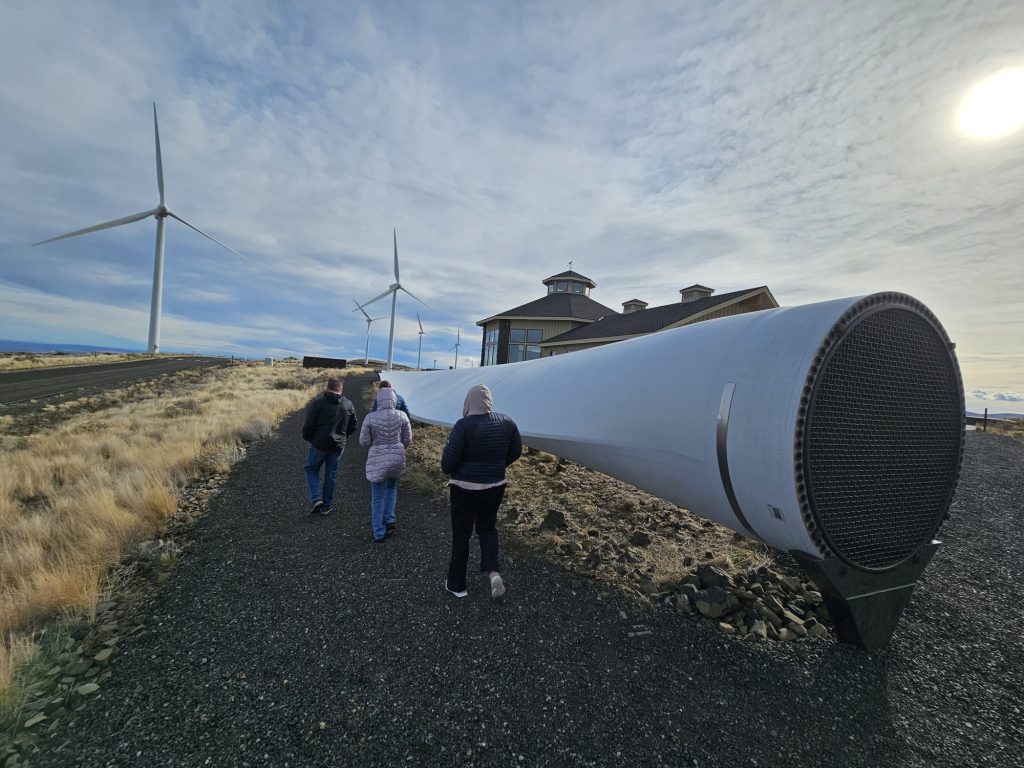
473	509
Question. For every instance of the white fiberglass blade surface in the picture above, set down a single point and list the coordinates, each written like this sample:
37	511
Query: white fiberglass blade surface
388	292
396	256
208	237
706	415
98	227
359	307
159	158
411	294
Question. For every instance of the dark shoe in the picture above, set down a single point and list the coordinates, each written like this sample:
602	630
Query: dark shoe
375	540
389	529
317	506
324	510
459	594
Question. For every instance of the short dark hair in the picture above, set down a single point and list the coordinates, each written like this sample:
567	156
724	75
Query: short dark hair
385	384
334	383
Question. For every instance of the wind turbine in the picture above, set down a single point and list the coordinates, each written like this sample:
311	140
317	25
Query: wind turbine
160	213
458	344
393	289
420	350
366	355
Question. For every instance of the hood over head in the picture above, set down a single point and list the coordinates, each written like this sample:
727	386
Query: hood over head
478	401
386	398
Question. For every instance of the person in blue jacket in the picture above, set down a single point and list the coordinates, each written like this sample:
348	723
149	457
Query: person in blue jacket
401	400
479	448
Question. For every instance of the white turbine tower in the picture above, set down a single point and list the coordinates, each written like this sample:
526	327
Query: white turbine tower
458	344
160	213
369	320
393	289
419	351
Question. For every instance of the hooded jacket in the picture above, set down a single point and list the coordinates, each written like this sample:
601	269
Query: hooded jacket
400	404
330	418
482	443
386	432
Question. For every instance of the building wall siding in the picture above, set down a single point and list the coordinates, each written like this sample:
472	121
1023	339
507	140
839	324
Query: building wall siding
575	348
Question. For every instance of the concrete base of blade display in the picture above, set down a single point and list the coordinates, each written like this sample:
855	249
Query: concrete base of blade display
865	606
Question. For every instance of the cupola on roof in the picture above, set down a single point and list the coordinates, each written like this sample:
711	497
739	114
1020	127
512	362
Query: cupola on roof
570	275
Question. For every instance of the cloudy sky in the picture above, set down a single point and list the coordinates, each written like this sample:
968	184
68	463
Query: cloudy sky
811	147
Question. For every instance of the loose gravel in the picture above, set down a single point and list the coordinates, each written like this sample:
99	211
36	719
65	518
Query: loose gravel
288	640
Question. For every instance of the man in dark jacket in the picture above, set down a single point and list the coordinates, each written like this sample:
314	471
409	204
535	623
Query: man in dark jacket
479	448
330	419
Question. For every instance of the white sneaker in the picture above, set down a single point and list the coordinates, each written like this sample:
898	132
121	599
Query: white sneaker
497	586
463	593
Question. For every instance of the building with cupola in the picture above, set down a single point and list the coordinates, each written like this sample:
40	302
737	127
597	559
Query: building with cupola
567	319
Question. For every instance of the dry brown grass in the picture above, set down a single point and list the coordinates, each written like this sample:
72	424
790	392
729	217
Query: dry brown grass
73	497
1009	427
17	361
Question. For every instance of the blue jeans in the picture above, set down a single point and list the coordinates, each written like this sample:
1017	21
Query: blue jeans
383	497
314	460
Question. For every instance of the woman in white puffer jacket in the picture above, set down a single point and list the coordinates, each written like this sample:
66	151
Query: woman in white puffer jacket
386	432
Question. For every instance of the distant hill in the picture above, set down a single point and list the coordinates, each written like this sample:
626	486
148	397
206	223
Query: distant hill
36	346
997	415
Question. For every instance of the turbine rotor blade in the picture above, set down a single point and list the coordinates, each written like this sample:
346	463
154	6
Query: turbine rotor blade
208	237
378	298
395	231
159	158
400	288
104	225
360	308
420	322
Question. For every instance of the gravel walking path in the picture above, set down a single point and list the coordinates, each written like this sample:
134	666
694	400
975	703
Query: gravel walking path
287	640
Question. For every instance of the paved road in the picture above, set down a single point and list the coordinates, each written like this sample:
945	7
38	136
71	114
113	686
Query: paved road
285	640
38	384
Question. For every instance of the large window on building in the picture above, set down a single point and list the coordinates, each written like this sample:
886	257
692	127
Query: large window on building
491	347
524	344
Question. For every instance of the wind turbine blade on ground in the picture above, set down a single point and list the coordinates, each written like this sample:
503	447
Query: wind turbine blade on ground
159	158
388	292
396	256
410	293
208	237
105	225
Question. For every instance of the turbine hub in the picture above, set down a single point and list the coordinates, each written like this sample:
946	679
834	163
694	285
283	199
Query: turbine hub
162	211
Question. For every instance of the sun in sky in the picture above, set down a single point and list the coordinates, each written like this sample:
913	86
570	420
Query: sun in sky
994	107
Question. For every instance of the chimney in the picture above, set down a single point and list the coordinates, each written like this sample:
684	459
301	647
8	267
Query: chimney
633	305
695	292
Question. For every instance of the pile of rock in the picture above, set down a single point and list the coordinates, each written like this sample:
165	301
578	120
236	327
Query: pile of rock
755	604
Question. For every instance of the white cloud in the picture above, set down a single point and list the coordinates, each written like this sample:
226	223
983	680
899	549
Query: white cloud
809	148
1008	397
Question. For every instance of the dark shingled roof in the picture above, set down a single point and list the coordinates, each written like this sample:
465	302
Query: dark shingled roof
645	320
558	305
569	275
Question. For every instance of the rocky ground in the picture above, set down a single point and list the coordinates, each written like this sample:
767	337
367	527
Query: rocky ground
603	529
281	639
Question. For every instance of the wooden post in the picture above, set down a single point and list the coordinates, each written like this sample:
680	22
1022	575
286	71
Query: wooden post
984	422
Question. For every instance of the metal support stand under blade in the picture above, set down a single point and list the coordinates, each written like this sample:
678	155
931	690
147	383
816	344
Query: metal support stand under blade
865	606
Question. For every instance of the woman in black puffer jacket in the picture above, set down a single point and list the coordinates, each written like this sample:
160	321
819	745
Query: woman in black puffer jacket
479	448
